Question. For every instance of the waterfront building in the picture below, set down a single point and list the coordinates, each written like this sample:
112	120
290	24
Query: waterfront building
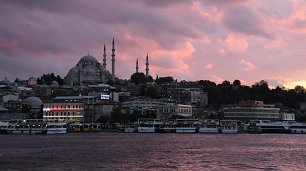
77	108
168	110
288	116
63	111
11	102
104	108
251	110
141	105
103	92
188	92
6	115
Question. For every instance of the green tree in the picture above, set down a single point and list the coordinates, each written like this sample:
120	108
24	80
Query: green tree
116	115
103	119
47	79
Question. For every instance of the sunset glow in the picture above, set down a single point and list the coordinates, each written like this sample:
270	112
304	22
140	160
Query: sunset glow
190	40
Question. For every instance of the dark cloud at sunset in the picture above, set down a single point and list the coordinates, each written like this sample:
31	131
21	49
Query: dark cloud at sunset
189	40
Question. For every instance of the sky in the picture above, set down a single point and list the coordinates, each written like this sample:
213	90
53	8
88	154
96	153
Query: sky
217	40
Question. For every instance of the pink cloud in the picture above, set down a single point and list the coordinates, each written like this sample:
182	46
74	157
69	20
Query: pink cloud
247	66
181	37
221	51
209	66
236	43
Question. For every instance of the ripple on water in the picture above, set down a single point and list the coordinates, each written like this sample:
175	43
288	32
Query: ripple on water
114	151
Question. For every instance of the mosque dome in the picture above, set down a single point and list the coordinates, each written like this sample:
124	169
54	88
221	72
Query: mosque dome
5	81
33	101
54	84
88	59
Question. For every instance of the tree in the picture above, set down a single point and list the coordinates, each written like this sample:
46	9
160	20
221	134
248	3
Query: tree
47	79
103	119
226	83
110	82
237	83
116	115
299	89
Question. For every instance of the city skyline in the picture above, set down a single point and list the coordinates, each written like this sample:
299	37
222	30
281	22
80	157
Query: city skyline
189	40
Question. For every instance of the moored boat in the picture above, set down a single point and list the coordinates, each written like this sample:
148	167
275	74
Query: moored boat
263	126
186	126
210	126
167	127
28	126
298	128
229	127
130	128
56	128
147	125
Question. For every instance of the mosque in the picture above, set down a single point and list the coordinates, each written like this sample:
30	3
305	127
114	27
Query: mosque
89	71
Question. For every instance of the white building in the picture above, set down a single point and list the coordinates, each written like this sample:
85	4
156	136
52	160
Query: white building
64	111
11	101
141	105
251	110
288	117
167	110
10	97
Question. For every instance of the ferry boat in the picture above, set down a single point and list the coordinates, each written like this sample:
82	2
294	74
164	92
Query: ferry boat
3	127
84	127
167	127
186	125
56	128
229	127
147	125
95	127
264	126
129	128
210	126
298	128
74	127
28	126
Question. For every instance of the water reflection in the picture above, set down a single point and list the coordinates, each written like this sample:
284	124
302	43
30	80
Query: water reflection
115	151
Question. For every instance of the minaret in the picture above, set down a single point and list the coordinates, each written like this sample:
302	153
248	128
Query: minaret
104	58
137	66
147	66
113	59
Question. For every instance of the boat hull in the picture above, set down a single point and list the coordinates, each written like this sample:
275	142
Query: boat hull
56	131
298	131
185	130
146	129
229	131
209	130
129	130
